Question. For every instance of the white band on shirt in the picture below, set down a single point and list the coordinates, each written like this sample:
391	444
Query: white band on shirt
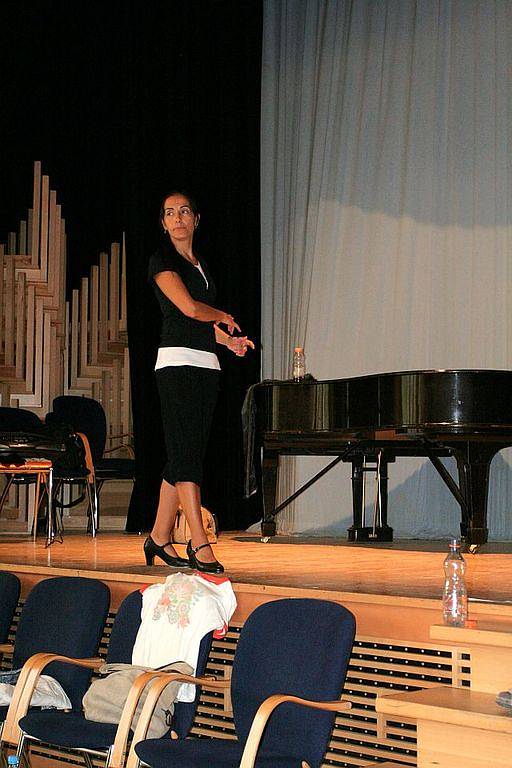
186	356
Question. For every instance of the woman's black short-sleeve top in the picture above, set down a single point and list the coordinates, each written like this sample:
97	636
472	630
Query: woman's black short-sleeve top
178	330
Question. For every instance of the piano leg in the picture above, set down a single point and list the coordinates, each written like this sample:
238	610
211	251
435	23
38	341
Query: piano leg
270	465
473	467
384	531
357	531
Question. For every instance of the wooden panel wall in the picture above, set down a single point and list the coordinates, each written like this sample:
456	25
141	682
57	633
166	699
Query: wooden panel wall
50	346
96	359
32	304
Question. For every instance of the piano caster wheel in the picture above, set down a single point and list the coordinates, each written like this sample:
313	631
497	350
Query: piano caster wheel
265	539
473	538
268	528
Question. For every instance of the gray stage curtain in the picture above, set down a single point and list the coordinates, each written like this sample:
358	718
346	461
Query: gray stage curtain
386	216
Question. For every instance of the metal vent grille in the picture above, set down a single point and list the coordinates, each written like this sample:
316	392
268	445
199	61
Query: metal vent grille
6	658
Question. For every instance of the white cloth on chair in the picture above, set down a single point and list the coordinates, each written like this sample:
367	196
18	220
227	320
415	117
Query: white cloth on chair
48	694
176	615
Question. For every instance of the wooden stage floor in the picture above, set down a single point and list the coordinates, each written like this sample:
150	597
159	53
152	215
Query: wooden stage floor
405	569
393	590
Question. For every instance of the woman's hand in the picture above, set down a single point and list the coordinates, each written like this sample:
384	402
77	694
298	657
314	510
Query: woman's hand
229	322
239	345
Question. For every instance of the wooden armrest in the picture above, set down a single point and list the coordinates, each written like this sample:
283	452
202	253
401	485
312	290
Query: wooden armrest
40	660
28	676
264	712
25	687
88	456
119	749
6	647
158	685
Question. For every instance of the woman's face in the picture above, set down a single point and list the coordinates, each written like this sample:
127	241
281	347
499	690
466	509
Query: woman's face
179	220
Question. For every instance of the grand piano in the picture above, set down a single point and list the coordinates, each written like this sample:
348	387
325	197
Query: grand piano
370	421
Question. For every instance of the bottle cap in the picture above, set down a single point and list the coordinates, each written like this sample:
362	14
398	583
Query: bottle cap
299	349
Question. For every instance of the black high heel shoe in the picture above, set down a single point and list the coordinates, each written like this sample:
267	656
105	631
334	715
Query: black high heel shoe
200	565
151	549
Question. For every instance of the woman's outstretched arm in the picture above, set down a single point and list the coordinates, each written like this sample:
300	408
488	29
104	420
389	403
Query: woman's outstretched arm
171	284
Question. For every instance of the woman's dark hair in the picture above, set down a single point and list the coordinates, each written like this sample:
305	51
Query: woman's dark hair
190	198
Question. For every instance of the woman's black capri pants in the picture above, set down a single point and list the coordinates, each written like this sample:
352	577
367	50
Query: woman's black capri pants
188	396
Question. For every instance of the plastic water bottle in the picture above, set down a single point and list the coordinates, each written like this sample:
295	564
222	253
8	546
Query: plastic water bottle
455	596
299	364
13	760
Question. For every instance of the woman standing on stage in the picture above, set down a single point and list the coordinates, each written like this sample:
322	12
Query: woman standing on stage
187	374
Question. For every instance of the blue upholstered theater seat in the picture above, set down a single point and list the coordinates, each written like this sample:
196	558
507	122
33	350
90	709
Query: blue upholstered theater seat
72	730
9	596
299	647
63	615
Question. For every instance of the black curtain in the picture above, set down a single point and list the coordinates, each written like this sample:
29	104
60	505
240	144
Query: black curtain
121	102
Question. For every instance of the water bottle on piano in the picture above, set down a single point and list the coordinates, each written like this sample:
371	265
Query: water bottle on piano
299	364
455	596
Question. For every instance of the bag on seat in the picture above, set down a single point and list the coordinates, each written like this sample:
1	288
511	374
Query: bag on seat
106	696
181	532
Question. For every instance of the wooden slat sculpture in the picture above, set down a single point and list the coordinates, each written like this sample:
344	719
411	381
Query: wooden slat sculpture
49	346
96	347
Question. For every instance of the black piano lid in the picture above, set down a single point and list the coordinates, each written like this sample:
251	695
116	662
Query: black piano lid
468	399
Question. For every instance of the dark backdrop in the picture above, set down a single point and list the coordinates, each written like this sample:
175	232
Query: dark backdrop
121	102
